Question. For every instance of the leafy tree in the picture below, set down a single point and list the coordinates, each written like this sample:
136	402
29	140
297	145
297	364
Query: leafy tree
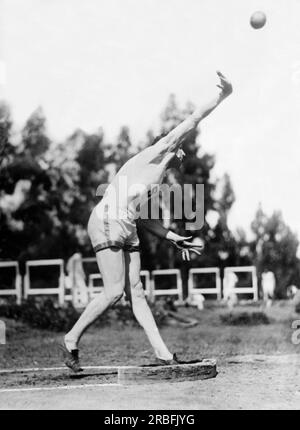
24	218
246	257
7	150
275	248
223	244
36	204
122	149
34	138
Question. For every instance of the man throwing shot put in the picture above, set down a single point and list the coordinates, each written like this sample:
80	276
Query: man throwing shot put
113	233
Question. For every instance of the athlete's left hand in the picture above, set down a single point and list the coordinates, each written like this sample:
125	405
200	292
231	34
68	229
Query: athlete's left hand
225	86
185	247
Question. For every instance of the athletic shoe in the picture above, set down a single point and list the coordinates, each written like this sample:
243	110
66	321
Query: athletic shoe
71	358
175	361
171	362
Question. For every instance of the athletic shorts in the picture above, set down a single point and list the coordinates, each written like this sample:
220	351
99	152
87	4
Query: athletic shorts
107	232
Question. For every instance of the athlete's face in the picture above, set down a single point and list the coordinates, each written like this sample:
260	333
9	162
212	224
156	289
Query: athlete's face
176	161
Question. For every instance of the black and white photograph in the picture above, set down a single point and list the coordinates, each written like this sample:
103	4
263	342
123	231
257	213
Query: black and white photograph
149	207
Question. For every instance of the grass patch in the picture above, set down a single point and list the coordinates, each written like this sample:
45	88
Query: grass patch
245	318
45	314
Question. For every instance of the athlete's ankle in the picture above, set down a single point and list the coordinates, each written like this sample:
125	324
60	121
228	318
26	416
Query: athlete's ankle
165	357
70	342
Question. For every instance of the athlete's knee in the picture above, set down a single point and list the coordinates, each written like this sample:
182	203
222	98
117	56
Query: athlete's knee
114	293
114	297
137	291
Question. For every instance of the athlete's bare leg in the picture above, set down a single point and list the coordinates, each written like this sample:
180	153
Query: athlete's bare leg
141	310
111	264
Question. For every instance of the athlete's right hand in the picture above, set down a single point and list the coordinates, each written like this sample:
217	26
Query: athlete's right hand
225	86
184	246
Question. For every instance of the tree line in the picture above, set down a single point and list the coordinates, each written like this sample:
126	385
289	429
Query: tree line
48	189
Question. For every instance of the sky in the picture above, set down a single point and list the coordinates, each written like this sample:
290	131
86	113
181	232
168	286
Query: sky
110	63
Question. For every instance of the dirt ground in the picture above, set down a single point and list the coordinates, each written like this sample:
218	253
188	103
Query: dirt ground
258	366
245	385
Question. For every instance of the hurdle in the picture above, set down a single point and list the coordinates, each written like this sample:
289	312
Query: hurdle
217	290
59	290
245	290
17	291
169	291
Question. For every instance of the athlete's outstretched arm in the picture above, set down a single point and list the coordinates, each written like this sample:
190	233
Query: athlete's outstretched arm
172	141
